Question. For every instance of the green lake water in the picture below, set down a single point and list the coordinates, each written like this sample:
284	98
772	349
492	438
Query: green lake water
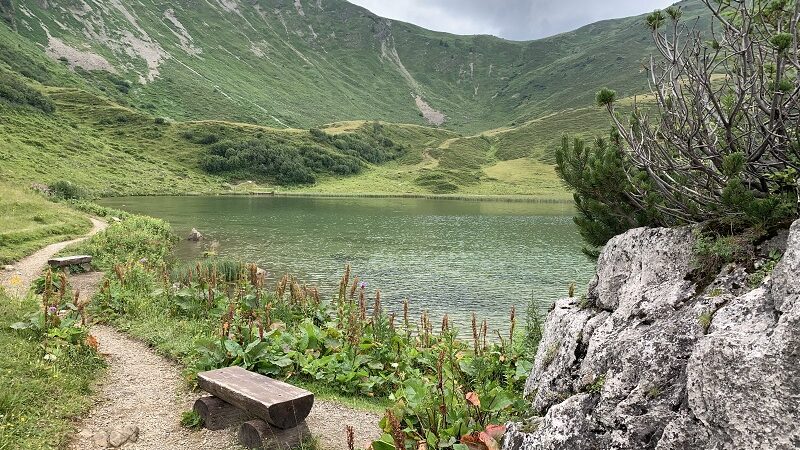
446	256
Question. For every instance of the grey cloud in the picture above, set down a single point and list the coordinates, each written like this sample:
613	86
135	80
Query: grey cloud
511	19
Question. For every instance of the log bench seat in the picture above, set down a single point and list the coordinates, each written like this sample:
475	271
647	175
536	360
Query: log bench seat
64	261
272	411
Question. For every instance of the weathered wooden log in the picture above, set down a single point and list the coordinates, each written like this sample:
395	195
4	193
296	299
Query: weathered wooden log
257	433
69	260
279	404
217	414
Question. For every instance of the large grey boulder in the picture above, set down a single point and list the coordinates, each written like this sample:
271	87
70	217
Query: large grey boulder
644	361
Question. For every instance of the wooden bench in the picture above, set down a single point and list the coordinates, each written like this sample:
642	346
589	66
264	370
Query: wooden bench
273	411
69	261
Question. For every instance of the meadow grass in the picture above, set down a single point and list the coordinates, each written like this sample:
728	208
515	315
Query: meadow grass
28	221
39	399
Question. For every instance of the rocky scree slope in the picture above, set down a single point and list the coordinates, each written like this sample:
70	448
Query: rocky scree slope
645	361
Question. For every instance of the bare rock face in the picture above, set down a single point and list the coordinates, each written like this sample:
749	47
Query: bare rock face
644	361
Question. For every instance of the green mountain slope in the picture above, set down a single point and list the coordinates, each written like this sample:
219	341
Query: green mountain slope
299	63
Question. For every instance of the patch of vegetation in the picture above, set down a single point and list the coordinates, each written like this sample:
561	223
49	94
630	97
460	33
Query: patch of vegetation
758	277
28	221
713	251
654	392
191	420
65	190
16	91
705	320
297	160
597	385
437	182
48	367
550	354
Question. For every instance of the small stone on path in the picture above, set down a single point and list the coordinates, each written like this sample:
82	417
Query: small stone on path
117	438
100	439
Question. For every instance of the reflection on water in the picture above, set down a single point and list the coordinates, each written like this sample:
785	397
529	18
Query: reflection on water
446	256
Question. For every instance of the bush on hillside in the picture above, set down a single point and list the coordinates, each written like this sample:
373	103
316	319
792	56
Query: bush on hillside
19	62
296	162
66	190
15	90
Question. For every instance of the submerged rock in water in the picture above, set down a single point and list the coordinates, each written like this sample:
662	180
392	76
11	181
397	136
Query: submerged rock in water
644	361
195	235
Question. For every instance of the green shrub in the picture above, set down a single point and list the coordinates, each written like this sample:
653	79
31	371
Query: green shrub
299	161
66	190
15	90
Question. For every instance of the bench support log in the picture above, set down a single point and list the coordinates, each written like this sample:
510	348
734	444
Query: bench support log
259	434
217	414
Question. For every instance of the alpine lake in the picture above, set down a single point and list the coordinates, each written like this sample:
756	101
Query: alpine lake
454	257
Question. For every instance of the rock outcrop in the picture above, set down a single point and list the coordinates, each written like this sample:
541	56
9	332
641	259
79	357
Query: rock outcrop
195	236
647	360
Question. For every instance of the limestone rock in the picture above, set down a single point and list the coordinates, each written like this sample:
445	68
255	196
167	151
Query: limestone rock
195	235
646	361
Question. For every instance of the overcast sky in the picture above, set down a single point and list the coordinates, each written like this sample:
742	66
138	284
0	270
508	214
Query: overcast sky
511	19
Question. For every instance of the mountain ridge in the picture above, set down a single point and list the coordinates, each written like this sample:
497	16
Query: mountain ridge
302	63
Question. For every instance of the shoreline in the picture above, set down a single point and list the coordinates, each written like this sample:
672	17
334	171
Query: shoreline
463	197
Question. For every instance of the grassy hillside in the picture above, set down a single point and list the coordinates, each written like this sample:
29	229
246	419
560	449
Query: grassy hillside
28	222
111	149
286	63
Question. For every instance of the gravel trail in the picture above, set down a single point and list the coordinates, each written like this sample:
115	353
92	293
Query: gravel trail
145	390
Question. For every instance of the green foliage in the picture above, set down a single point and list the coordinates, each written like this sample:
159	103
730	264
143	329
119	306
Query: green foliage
597	385
65	190
605	97
287	162
191	420
654	392
765	270
15	90
46	382
133	239
712	251
705	320
655	19
534	327
598	178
